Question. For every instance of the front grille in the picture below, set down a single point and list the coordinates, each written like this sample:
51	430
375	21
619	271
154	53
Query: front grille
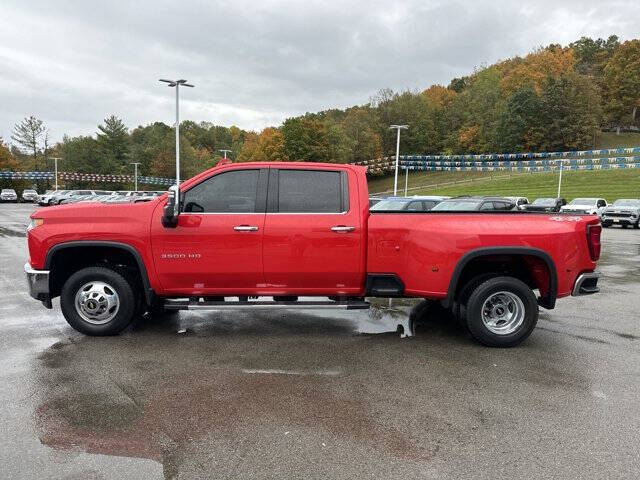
618	214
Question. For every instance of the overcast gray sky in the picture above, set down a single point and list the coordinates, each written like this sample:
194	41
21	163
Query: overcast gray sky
255	63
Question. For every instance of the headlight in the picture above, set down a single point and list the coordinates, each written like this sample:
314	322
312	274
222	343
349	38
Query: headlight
35	222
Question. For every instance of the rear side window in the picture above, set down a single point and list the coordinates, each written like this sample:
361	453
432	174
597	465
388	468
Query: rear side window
311	191
502	206
229	192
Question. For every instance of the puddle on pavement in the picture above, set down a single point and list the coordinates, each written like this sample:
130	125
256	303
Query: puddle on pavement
15	230
151	405
382	317
620	263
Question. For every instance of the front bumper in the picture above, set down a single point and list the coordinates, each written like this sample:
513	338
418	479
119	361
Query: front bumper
38	282
586	284
606	220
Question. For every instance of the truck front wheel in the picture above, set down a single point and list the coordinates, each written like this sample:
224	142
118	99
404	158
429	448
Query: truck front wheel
98	301
501	312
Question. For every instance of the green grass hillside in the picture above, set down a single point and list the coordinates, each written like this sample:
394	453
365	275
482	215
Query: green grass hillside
610	184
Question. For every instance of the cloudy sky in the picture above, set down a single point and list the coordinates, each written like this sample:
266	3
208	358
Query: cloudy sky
255	63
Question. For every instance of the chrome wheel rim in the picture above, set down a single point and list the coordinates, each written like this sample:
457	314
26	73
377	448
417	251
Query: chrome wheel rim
503	313
97	302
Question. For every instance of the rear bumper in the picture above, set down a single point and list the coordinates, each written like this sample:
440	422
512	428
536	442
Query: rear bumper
586	284
38	282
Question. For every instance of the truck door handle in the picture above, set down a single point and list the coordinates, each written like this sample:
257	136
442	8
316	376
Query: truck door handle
342	229
245	228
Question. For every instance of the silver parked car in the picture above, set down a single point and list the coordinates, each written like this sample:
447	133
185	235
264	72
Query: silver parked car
50	197
623	212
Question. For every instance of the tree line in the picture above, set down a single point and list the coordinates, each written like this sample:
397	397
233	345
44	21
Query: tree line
555	98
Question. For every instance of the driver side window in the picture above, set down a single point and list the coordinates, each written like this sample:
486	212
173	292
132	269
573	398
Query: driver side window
228	192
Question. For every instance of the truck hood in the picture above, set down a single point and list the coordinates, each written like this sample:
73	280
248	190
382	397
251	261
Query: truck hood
579	207
622	210
73	211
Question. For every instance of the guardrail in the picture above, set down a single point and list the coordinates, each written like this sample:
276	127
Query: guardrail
518	162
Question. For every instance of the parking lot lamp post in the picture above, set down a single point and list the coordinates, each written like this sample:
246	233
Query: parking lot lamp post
395	182
406	178
55	162
177	83
560	177
224	151
135	165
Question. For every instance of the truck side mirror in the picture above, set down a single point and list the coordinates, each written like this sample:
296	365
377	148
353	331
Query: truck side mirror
172	208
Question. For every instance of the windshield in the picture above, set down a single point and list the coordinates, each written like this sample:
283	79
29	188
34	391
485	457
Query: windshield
626	203
457	205
583	201
545	202
390	205
8	190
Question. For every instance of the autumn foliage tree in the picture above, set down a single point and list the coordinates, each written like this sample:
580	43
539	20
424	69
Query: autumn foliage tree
555	98
622	83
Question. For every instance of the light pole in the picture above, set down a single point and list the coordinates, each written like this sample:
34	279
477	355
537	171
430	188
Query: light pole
135	164
224	151
55	161
406	178
177	83
560	177
395	182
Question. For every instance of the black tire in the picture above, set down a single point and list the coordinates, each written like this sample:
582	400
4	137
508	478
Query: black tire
459	308
127	301
526	302
636	225
624	225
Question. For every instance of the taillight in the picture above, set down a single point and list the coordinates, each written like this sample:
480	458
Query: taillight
593	240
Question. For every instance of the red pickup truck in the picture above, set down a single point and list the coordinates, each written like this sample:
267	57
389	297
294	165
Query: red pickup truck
286	230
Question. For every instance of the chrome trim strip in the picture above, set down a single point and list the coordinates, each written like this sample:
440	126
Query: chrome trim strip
171	304
263	213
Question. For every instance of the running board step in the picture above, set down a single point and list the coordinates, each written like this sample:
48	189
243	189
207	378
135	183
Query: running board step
172	304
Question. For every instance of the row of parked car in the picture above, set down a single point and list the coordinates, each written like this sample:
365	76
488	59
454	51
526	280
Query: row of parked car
624	212
60	197
10	195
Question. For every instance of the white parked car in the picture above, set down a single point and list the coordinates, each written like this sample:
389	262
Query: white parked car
519	201
589	206
29	195
8	195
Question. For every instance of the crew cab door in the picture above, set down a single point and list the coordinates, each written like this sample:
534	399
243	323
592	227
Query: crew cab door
216	247
313	236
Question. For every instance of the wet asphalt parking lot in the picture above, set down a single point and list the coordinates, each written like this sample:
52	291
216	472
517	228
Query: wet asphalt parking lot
326	395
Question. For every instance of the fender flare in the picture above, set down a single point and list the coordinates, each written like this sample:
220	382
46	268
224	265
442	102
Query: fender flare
146	286
548	302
